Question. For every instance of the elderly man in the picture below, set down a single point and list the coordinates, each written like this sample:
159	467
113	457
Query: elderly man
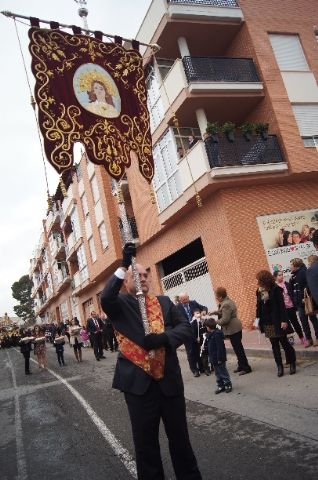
186	308
312	273
152	383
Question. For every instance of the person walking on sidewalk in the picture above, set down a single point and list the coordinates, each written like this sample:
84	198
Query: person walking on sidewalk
232	328
291	310
217	356
152	383
186	308
312	272
298	283
273	320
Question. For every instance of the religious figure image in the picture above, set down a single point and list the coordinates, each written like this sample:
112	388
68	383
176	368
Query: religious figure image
96	91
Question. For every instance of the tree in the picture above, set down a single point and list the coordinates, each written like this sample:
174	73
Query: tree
21	291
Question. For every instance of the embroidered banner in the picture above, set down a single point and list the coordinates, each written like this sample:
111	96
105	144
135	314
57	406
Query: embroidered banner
91	92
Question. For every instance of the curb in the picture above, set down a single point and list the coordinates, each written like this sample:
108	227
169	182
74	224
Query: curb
264	353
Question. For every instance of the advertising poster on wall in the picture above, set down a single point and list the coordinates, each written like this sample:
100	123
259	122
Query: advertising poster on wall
286	236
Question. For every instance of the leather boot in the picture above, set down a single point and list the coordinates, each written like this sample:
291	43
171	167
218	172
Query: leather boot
292	368
280	370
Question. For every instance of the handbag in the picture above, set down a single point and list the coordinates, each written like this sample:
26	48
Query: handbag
308	303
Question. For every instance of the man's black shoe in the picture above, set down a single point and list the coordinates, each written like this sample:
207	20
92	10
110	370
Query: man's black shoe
280	370
196	374
97	359
219	390
102	356
228	388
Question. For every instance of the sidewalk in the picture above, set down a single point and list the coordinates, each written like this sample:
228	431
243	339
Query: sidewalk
255	344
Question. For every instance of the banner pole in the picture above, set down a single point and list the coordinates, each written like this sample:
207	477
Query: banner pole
128	237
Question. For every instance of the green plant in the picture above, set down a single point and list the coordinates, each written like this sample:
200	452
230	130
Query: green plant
228	127
247	128
212	128
261	127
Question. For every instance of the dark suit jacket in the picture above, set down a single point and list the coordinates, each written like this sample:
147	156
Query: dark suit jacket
123	311
194	305
91	327
312	279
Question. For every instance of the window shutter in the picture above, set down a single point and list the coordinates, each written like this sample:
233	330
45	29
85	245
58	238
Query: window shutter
307	119
288	52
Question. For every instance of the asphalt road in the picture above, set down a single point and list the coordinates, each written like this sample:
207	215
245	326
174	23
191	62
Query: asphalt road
67	423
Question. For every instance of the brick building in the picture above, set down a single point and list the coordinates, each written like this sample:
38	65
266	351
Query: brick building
219	61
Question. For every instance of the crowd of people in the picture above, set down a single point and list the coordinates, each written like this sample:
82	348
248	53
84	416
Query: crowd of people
98	334
147	369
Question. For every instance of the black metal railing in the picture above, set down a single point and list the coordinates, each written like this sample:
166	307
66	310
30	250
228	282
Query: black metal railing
243	152
220	69
133	226
214	3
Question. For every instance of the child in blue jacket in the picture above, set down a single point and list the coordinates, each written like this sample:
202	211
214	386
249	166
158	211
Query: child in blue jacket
217	356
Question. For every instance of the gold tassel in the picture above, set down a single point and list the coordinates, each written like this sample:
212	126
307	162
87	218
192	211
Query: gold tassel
49	201
120	196
63	187
198	200
152	195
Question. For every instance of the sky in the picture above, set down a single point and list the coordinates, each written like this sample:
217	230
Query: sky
22	182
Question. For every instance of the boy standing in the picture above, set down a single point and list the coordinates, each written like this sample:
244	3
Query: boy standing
217	356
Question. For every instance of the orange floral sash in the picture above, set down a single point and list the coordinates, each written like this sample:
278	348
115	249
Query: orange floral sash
153	365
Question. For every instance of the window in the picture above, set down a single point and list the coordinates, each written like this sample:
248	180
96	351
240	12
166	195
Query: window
92	249
81	257
103	235
84	204
94	188
154	102
307	121
75	224
288	52
164	66
166	181
182	138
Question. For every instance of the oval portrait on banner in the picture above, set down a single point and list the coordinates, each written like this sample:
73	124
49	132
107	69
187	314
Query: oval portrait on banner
96	91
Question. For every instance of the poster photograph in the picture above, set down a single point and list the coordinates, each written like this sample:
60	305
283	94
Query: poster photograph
286	236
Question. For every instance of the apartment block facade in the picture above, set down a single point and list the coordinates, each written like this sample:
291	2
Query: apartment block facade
219	61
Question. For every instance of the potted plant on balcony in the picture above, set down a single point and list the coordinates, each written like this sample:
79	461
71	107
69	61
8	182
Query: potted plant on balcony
212	129
247	129
262	129
228	129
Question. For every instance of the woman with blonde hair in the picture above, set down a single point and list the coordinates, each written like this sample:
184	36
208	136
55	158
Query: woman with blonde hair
273	320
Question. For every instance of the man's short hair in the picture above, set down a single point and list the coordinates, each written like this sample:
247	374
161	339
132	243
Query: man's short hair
210	322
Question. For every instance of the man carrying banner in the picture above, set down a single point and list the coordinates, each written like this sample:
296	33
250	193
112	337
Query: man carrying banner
148	371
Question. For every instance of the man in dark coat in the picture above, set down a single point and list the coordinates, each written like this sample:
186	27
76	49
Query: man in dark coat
186	308
151	382
312	272
95	329
298	283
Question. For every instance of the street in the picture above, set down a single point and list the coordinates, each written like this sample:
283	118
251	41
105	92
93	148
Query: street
69	423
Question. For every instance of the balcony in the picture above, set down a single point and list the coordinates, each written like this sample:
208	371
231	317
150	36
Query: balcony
212	166
215	74
231	87
224	157
158	25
